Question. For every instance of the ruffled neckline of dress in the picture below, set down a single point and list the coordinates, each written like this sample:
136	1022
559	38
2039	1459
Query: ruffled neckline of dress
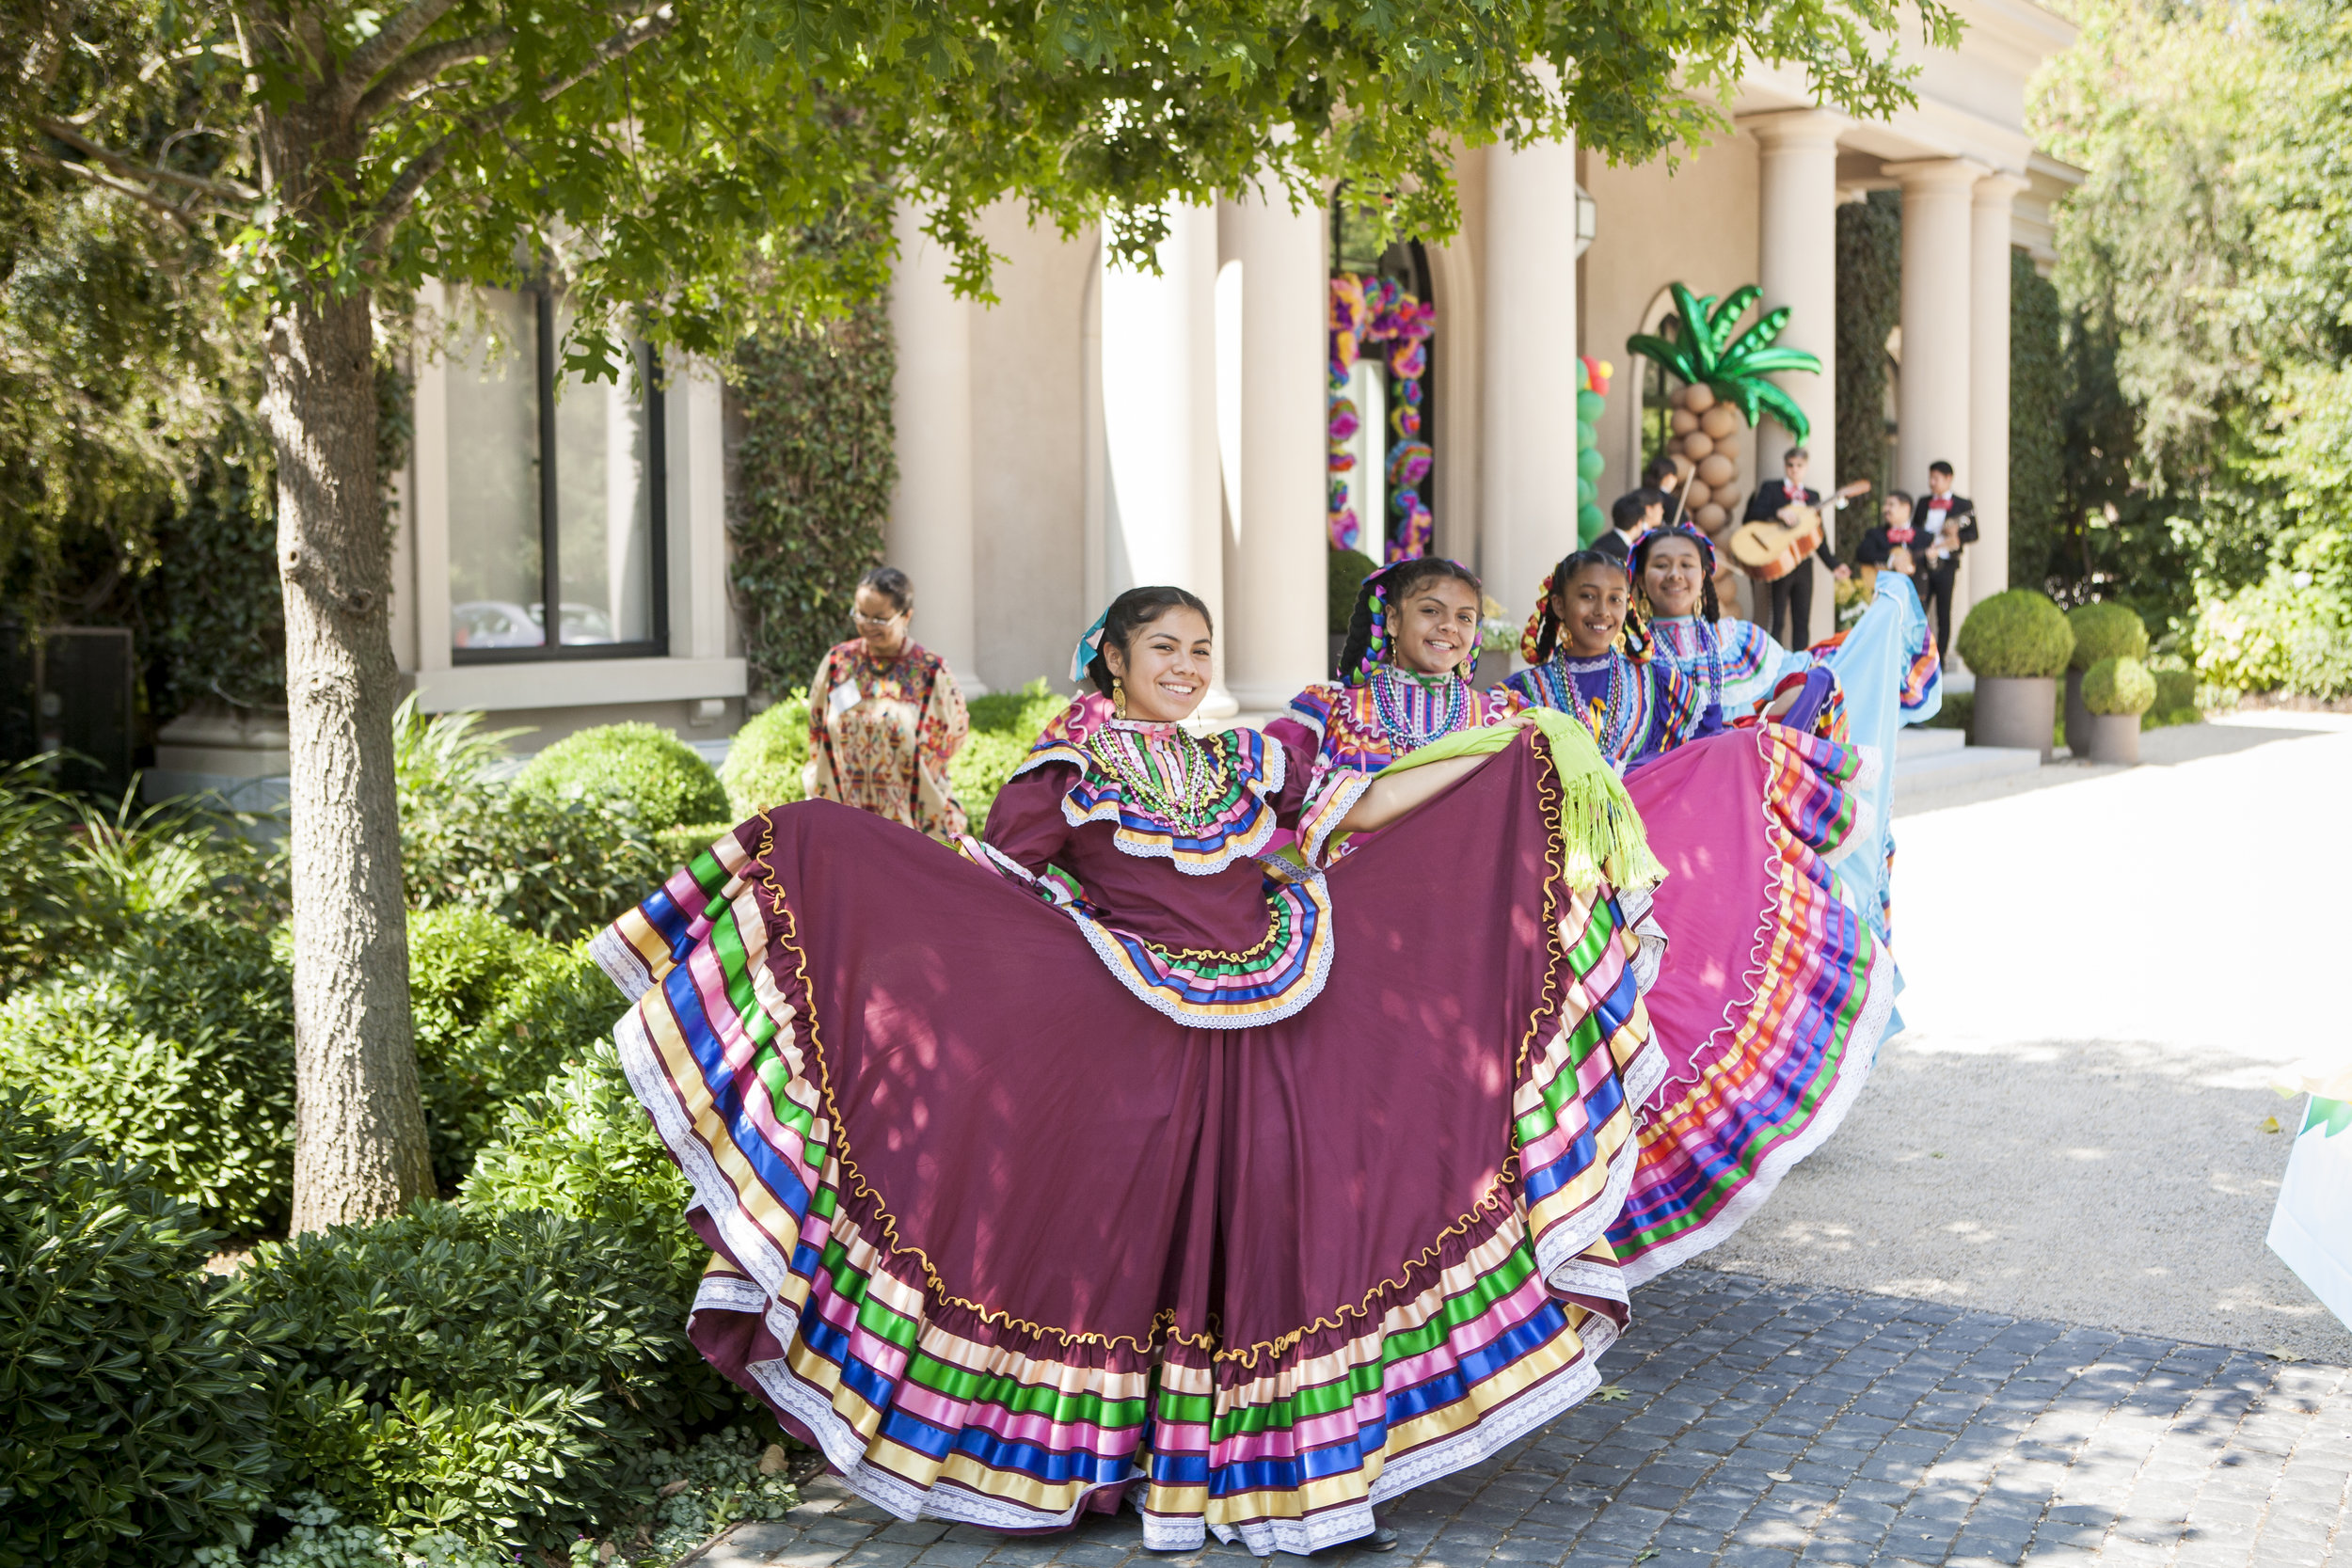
1229	778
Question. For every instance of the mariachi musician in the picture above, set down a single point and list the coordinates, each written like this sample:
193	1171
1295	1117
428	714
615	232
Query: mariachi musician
1792	594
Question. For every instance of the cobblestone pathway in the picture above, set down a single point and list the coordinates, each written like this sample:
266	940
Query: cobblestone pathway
1761	1426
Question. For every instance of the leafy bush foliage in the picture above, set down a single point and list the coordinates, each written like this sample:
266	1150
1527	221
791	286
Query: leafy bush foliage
663	778
175	1050
2020	633
1344	581
813	479
763	766
496	1009
582	1145
2106	629
2289	633
1005	724
562	868
2176	696
2118	685
133	1423
504	1379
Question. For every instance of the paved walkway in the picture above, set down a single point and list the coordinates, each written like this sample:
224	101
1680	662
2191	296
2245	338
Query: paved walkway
1758	1426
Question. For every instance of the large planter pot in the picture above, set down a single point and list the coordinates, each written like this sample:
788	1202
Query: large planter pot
2114	738
2077	716
2016	711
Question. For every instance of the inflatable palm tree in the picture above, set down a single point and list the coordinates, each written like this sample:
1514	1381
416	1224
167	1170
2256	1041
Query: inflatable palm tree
1703	353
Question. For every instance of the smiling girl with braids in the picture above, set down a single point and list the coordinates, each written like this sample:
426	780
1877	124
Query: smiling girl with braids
1401	682
1588	656
1735	664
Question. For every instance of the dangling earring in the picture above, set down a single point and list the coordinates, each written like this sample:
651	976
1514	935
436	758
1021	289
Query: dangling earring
1119	699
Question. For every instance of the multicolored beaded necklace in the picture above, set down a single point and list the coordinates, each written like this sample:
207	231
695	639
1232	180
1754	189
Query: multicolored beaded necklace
1416	709
1611	719
1182	784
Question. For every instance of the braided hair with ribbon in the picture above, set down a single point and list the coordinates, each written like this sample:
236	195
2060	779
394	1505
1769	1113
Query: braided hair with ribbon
1541	635
1368	643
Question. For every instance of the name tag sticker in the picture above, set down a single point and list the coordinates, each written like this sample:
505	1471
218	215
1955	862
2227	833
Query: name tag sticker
842	698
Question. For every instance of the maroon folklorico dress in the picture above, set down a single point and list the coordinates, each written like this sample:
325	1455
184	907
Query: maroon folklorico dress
1113	1161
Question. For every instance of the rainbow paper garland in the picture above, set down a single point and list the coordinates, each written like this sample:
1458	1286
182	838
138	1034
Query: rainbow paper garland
1369	314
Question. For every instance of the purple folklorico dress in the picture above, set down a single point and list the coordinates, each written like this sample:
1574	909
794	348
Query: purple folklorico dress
1117	1163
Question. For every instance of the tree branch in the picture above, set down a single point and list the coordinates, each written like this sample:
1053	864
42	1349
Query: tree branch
219	190
99	178
378	54
406	187
414	70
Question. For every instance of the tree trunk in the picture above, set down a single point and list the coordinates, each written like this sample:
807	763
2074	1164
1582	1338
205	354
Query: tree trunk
359	1143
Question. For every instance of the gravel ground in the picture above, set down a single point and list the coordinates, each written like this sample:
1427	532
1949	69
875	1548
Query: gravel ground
2103	965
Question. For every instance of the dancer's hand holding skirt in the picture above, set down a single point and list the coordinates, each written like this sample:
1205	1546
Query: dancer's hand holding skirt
1005	1243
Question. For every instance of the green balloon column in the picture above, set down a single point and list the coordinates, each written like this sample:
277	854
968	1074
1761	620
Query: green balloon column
1592	391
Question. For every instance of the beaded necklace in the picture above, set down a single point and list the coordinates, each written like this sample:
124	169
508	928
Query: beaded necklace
1407	706
1181	784
1610	719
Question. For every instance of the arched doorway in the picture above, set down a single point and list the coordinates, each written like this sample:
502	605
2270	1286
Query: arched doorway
1382	417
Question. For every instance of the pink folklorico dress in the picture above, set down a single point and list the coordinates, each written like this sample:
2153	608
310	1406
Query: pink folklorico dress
1115	1161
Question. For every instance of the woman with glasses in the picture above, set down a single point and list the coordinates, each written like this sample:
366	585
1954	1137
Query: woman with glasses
884	715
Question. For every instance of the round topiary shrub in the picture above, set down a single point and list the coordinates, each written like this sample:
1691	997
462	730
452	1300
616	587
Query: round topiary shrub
2107	630
2016	635
764	765
664	777
136	1426
2176	692
1346	581
2119	686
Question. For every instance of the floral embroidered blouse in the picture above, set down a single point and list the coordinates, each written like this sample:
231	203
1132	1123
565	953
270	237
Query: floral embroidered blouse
1354	732
881	734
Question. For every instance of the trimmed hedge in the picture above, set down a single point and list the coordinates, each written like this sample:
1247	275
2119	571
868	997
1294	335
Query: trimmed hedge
2018	633
176	1052
764	765
134	1420
2105	629
2176	695
2116	686
1343	582
662	778
1005	724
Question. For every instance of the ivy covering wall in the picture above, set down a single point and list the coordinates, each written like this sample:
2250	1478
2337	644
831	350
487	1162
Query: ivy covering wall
2037	416
814	471
1869	302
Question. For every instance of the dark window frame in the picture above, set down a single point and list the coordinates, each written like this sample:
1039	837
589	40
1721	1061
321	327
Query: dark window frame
550	556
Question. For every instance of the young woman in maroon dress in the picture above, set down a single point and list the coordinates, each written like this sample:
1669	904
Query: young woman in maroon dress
1115	1162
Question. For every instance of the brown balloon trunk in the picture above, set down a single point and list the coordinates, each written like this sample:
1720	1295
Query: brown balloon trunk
359	1140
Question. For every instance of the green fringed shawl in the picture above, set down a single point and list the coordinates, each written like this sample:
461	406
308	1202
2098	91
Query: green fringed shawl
1601	835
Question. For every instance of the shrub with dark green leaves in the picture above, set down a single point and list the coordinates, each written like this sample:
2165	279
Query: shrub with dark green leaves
133	1422
2118	686
175	1050
2105	629
1005	724
2019	634
503	1378
562	868
1344	581
763	764
582	1145
661	777
496	1010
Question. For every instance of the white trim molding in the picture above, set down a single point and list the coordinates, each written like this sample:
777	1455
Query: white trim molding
577	683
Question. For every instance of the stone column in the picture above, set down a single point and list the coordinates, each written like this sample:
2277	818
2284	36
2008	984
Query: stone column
1985	568
1796	266
1932	404
1159	423
928	534
1527	446
1274	549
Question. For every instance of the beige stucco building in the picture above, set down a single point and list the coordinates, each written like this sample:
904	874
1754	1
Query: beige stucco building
1098	428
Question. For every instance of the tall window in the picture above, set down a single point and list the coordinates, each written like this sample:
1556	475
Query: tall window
555	496
1658	393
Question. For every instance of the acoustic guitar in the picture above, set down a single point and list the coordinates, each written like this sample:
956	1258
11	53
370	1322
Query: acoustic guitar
1770	549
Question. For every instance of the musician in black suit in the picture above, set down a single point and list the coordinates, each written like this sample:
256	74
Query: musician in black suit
1792	596
1635	513
1946	524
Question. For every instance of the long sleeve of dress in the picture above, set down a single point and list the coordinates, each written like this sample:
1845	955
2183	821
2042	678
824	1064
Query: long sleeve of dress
1025	823
939	734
